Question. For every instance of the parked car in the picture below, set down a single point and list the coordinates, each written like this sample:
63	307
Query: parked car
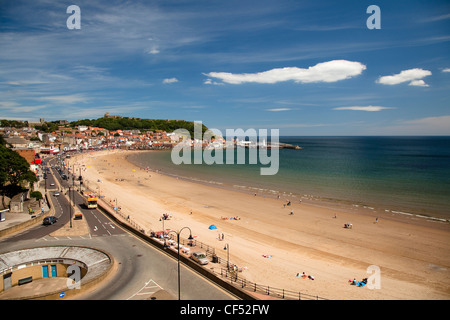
199	257
56	194
49	220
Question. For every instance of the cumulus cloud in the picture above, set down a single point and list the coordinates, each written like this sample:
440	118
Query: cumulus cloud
330	71
413	76
418	83
366	108
446	70
170	80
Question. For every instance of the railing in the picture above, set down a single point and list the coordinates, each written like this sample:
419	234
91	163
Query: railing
229	271
267	290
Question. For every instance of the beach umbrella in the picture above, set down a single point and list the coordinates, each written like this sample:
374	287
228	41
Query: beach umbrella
212	227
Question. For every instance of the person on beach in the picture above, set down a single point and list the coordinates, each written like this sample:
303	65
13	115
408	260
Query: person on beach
292	212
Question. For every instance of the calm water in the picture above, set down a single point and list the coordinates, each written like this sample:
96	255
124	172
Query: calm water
407	174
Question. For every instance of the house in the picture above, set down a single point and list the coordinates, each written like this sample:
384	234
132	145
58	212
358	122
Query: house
17	142
16	204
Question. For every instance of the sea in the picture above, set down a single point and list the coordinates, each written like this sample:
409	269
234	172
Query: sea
407	175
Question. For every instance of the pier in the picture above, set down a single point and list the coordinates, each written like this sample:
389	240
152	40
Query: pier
284	146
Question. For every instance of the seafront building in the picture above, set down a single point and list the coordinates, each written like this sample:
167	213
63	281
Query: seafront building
30	142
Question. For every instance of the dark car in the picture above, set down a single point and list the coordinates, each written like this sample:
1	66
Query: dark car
49	220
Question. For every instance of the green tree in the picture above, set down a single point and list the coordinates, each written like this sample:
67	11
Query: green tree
36	194
14	171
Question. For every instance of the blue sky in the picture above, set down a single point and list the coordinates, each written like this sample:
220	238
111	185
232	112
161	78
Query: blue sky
304	67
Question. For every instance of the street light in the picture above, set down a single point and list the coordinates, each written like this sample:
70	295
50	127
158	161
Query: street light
163	218
227	247
70	209
178	241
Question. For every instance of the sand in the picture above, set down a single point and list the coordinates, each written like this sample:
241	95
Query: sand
412	253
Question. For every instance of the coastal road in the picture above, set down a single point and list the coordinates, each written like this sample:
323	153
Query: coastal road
99	224
141	269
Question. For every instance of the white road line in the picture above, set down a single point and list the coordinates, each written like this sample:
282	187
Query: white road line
154	285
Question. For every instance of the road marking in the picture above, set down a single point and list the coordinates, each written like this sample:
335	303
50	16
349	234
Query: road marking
150	284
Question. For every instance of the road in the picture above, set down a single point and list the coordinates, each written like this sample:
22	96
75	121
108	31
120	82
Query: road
141	268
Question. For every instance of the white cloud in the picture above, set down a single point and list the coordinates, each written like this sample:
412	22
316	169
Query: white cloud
412	76
446	70
441	120
418	83
65	99
330	71
367	108
153	51
279	109
209	81
439	125
170	80
14	83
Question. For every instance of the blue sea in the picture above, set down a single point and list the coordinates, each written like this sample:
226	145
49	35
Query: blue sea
408	175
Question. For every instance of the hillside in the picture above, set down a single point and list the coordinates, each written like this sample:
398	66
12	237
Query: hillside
125	123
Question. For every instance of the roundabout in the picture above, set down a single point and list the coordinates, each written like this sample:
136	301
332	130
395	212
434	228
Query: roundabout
51	272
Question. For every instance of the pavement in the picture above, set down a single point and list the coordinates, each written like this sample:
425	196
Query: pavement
36	287
78	228
97	263
14	218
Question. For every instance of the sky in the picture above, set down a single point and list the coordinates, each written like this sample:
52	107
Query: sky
307	68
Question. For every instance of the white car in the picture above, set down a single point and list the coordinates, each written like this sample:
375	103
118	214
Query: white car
199	257
56	194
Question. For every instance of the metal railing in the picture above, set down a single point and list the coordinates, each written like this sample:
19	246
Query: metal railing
266	290
229	271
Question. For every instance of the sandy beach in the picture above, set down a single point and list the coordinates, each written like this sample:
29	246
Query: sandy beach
272	245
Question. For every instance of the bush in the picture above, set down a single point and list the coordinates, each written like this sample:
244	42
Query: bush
36	194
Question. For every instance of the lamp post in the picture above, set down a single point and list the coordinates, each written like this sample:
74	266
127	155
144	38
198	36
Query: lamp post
163	217
227	247
70	208
178	241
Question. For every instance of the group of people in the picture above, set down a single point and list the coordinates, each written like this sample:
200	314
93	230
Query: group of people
361	283
166	216
304	276
232	218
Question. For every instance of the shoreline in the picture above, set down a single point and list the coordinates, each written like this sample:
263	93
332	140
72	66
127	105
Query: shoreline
413	255
313	200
